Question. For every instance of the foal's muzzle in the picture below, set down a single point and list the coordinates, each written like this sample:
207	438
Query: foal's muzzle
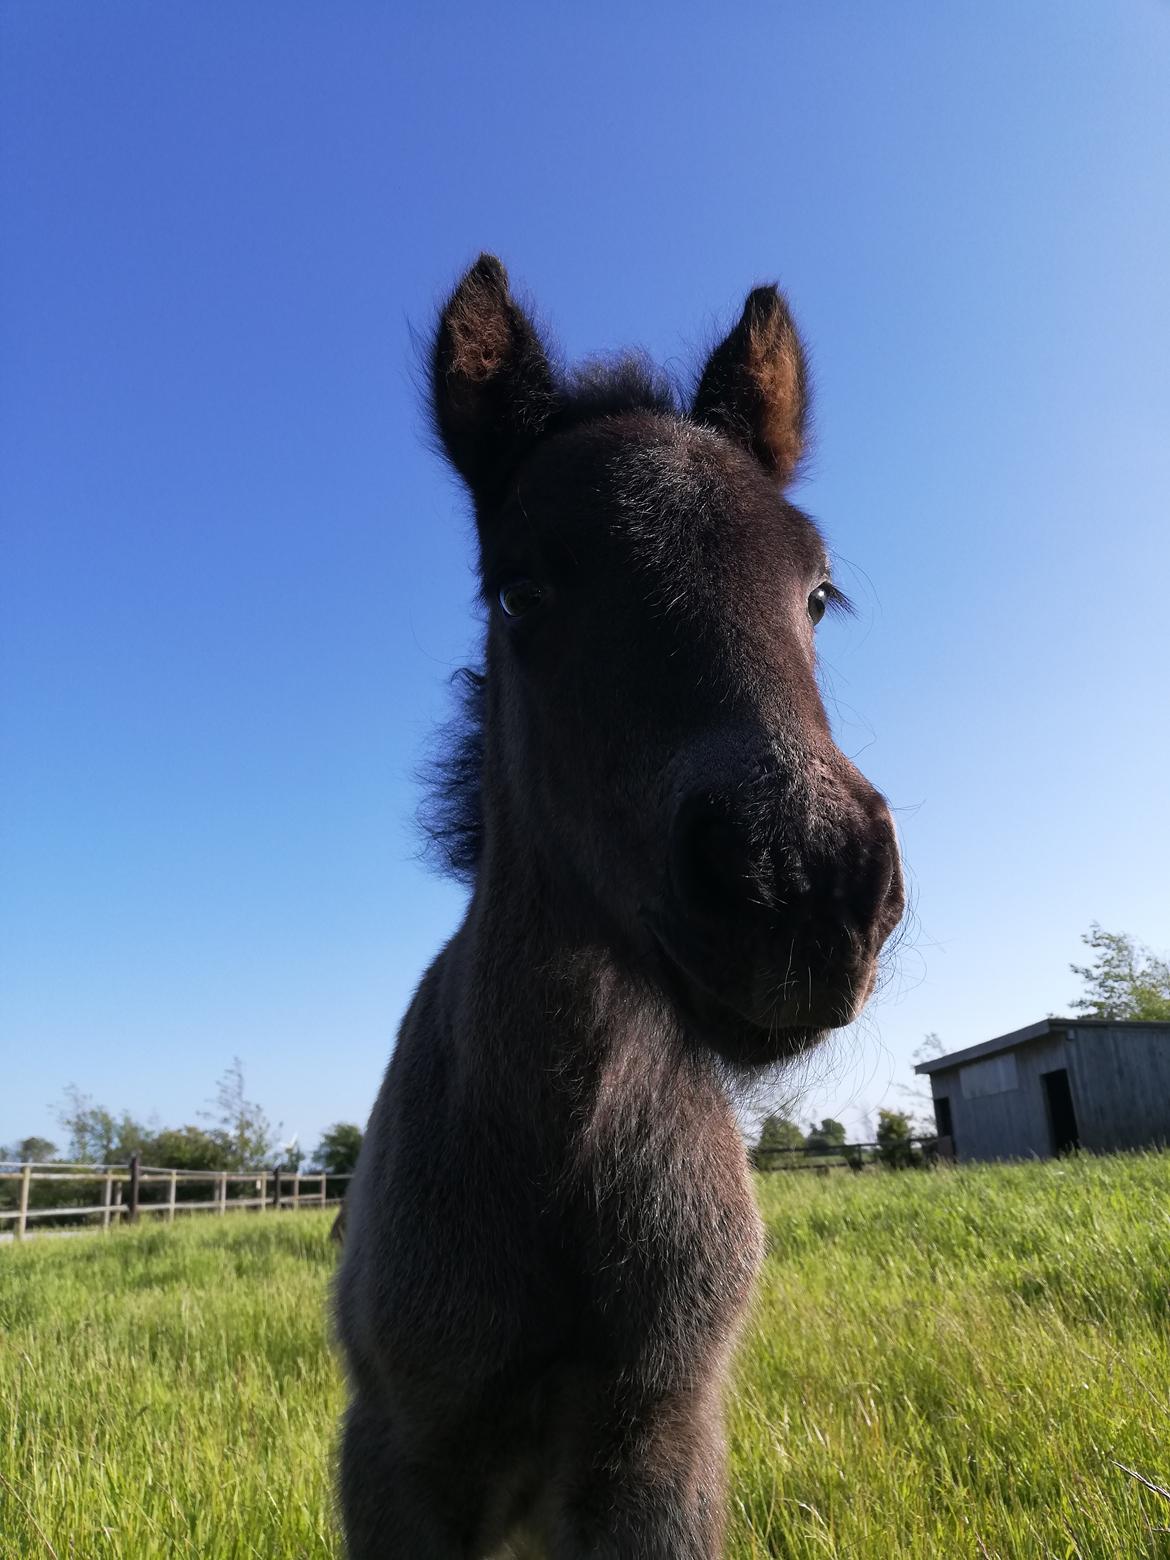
780	900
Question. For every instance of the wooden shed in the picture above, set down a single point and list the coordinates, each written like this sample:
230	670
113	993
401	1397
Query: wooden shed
1063	1083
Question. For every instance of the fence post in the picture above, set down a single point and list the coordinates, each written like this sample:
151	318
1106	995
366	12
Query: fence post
173	1197
107	1198
223	1175
324	1189
297	1191
263	1183
135	1169
22	1214
276	1188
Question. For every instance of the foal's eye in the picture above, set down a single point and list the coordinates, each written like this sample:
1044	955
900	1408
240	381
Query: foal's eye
520	597
818	601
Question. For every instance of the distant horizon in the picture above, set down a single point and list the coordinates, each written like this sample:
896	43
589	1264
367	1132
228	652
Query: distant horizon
750	1112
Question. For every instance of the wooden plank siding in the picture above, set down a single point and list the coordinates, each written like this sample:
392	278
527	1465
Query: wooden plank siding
1121	1084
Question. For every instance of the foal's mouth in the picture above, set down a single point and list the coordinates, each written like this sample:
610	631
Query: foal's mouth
800	1015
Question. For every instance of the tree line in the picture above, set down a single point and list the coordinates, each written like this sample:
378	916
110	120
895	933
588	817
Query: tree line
236	1134
827	1143
1123	980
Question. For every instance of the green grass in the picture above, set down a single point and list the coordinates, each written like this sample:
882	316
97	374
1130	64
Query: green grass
938	1365
169	1391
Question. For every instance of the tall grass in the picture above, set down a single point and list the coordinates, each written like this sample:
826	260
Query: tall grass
938	1365
169	1391
954	1364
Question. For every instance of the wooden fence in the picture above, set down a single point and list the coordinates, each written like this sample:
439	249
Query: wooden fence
905	1154
122	1187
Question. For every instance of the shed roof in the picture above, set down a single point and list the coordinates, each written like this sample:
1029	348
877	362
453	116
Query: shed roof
1046	1026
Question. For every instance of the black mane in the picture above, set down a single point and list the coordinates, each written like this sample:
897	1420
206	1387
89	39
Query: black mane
451	814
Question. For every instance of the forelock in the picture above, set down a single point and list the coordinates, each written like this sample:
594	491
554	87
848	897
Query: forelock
603	387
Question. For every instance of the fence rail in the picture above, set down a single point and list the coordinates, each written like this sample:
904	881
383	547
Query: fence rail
853	1156
122	1186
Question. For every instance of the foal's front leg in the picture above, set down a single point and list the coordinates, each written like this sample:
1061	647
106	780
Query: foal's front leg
388	1511
648	1484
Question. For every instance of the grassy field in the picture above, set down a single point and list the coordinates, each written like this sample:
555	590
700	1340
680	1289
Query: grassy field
939	1365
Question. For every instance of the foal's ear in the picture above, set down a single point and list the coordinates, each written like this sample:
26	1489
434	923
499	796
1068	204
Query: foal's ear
491	384
755	385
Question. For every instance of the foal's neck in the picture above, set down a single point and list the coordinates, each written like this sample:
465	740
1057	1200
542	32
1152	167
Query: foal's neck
548	1015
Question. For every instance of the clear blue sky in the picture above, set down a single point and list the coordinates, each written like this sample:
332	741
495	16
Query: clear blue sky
235	579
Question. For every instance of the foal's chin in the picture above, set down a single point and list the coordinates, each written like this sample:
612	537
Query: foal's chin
748	1048
724	1021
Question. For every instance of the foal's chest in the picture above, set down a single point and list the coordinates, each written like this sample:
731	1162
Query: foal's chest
670	1236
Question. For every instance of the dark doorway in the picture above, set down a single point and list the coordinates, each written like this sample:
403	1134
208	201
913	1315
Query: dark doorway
1062	1118
942	1117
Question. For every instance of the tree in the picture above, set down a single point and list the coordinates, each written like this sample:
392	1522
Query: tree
38	1150
828	1138
92	1130
241	1128
1124	980
340	1145
777	1135
920	1095
895	1147
131	1138
186	1148
96	1135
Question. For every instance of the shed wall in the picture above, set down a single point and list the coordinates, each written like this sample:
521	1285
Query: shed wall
1011	1123
1121	1085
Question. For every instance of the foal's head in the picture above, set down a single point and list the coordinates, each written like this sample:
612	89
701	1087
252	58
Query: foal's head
653	743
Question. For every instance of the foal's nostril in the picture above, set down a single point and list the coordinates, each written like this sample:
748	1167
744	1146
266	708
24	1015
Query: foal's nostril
712	855
869	886
841	880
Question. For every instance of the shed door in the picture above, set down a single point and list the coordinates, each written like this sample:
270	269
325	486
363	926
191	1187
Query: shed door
1062	1118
